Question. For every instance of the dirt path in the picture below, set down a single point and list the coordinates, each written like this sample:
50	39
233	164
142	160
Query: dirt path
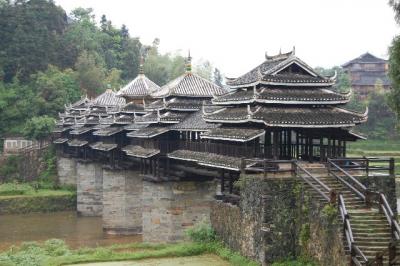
202	260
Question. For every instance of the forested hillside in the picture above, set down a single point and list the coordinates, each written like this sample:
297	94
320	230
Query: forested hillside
49	58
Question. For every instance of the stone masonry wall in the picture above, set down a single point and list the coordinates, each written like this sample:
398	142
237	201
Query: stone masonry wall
66	170
89	189
275	221
169	208
122	202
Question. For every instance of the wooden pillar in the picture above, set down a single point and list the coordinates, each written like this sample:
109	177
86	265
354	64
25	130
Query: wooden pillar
267	144
311	147
230	183
222	181
275	144
329	152
321	149
344	148
297	145
290	151
334	148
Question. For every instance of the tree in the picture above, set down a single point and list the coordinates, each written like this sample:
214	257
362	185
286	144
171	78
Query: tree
90	73
394	65
30	37
381	123
54	89
39	127
204	69
218	79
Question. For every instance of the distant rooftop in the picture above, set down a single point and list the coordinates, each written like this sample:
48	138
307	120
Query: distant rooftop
365	58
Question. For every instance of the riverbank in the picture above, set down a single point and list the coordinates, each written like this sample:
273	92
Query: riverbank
55	252
43	200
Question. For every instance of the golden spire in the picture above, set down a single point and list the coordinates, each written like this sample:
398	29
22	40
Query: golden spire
141	68
189	64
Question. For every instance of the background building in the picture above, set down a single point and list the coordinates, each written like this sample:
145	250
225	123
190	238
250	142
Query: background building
365	71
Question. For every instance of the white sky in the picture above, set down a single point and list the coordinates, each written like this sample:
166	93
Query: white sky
235	34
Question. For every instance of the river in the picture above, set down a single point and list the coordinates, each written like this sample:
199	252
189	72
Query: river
75	231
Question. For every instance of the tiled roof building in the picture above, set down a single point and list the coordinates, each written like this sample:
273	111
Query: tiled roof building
365	71
281	109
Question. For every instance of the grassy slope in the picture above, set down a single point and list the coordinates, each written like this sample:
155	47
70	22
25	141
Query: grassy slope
40	193
376	148
55	252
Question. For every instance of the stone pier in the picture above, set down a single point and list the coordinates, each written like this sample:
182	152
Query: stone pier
170	208
122	202
89	189
66	170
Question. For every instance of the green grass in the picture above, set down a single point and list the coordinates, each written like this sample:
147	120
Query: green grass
376	148
377	145
10	190
55	252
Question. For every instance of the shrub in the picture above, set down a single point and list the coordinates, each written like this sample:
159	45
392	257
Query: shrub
14	188
202	233
9	168
55	247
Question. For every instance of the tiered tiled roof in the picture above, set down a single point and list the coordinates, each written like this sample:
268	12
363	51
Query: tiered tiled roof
318	117
194	122
138	151
207	159
272	71
108	98
81	130
283	96
233	134
101	146
147	132
140	87
108	131
189	85
77	143
60	140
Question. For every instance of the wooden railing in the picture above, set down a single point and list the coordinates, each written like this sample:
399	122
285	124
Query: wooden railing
324	191
370	197
357	256
367	165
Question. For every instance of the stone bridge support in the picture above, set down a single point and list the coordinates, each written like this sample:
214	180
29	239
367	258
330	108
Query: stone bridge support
66	170
122	202
170	208
89	189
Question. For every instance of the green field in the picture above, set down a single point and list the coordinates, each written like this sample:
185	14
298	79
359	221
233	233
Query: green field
376	148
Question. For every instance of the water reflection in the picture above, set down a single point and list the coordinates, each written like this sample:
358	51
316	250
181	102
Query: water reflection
76	231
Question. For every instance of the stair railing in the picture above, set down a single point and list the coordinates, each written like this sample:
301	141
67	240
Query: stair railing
325	189
373	197
355	251
394	228
357	187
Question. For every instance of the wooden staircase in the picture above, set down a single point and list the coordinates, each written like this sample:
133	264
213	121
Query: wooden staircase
370	230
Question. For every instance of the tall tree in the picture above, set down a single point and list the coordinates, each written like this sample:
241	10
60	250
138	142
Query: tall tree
30	36
394	65
90	73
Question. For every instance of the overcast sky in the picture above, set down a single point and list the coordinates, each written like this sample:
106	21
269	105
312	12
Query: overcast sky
235	34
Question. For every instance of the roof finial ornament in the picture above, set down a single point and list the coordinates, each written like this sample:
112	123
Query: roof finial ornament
294	50
249	112
280	50
158	115
266	55
189	64
141	68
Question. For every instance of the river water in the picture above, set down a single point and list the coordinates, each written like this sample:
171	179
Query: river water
75	231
